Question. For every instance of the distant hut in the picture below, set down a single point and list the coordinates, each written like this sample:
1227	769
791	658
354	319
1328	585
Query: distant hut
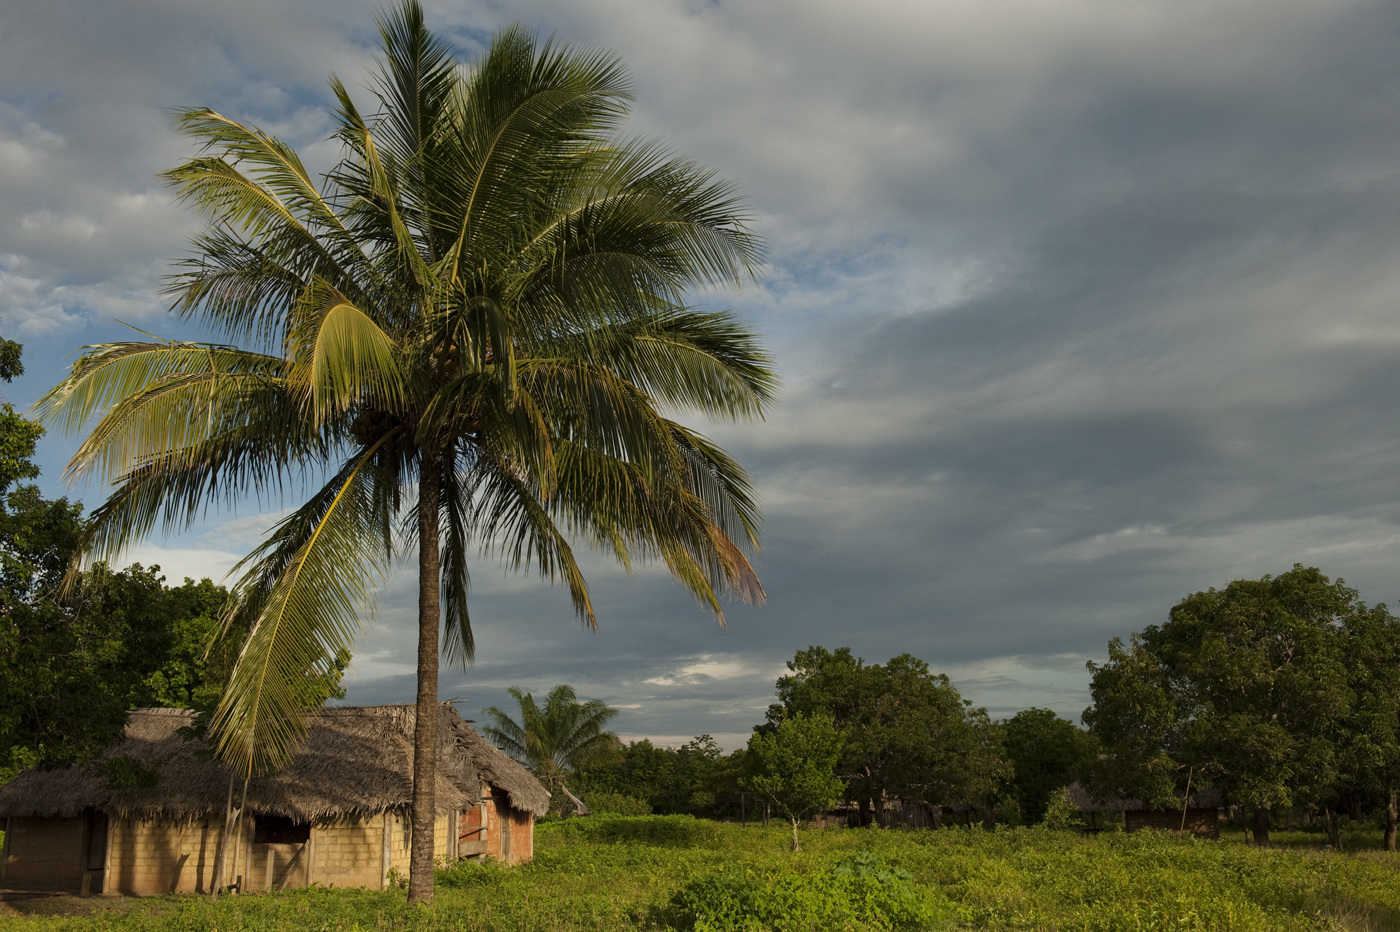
337	815
1200	815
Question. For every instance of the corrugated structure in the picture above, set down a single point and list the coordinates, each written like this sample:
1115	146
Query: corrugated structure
337	815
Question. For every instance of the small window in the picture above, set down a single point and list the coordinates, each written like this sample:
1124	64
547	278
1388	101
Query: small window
279	830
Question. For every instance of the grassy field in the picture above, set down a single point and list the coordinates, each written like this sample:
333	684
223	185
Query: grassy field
670	872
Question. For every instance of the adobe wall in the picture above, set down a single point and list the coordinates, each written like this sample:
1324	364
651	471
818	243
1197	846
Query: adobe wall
152	858
348	853
43	853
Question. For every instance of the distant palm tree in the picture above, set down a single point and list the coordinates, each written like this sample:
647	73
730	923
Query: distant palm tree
468	332
556	738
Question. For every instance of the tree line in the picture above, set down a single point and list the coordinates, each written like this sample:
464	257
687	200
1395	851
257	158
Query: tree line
1280	694
873	732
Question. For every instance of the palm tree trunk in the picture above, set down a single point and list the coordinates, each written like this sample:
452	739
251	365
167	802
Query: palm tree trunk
221	854
425	741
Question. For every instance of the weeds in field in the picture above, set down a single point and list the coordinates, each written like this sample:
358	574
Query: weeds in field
672	872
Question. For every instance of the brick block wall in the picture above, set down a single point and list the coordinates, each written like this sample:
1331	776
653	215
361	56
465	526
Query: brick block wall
154	858
348	853
44	853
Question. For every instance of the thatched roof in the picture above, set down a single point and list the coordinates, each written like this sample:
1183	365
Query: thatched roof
355	761
1080	798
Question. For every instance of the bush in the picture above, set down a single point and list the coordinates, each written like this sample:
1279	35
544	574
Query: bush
471	872
859	893
658	831
602	802
1060	813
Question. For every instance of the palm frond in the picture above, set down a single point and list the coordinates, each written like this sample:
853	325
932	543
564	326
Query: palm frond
458	643
309	589
341	356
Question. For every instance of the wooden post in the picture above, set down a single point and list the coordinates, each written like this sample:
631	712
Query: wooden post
5	851
506	831
1186	801
109	887
385	859
271	865
84	881
310	849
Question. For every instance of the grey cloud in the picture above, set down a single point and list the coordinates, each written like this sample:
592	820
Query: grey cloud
1081	307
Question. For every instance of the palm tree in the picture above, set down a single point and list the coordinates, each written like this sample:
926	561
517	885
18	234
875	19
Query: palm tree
469	335
554	739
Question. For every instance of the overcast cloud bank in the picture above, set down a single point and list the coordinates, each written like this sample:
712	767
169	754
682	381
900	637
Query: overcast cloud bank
1081	307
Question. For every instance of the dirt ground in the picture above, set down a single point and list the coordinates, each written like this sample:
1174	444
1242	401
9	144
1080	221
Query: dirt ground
41	903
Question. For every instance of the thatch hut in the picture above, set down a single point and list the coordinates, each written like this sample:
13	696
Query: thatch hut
1199	815
337	815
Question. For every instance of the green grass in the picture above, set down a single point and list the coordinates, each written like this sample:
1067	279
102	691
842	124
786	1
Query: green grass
655	872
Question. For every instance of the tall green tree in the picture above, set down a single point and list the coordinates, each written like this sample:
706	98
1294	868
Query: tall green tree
473	327
697	778
1046	753
1245	688
792	765
1370	735
906	732
556	738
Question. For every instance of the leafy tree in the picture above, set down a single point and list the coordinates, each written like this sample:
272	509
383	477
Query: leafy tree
697	778
474	325
1370	735
986	778
907	733
792	766
1046	753
1245	688
554	739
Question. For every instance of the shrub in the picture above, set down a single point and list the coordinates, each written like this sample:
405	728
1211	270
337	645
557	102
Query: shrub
471	872
1060	813
679	831
602	802
862	892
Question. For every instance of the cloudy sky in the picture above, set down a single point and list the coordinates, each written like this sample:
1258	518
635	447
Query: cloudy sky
1080	306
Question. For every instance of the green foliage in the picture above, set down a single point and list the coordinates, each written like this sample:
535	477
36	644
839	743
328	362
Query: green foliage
1046	753
674	831
616	874
10	365
697	778
858	893
555	738
792	765
601	802
908	733
1059	812
72	667
18	435
1245	688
